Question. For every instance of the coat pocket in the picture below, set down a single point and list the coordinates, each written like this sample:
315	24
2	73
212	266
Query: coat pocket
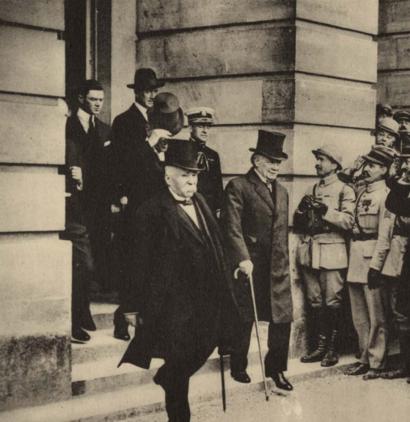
333	256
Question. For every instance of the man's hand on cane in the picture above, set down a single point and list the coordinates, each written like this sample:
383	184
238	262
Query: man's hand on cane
245	267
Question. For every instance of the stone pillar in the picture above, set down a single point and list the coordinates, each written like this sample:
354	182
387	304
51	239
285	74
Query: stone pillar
35	275
394	61
305	67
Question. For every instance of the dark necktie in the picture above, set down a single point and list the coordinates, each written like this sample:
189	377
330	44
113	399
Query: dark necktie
91	128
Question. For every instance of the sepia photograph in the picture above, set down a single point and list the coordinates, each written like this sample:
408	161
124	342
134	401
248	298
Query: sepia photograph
204	210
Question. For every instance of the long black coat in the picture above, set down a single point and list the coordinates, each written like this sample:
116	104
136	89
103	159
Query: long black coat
255	224
179	283
129	131
94	156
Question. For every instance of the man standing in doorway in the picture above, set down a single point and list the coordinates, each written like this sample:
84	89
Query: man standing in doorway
255	223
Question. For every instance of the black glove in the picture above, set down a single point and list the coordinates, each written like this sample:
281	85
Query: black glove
321	208
305	203
373	279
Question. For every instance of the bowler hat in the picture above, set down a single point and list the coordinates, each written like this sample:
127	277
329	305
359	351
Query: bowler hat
200	116
389	125
166	113
380	154
330	151
145	79
270	145
401	115
184	154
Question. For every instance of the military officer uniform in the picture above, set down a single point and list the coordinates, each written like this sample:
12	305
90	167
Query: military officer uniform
322	255
210	180
367	304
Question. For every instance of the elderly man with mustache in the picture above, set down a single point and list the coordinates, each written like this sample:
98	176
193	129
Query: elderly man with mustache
322	217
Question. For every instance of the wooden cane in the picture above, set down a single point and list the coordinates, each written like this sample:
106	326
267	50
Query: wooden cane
221	363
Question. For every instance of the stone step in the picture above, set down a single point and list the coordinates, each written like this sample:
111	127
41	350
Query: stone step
103	314
96	371
134	401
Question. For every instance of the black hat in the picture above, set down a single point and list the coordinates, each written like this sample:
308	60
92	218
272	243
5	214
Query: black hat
401	115
166	113
145	79
383	108
270	144
380	154
184	154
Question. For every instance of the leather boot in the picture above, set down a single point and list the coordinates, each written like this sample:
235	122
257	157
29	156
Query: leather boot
318	354
331	358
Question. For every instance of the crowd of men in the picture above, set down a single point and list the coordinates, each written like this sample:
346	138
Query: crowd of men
186	252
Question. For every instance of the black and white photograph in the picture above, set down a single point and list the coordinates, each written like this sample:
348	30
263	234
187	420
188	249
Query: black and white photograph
204	210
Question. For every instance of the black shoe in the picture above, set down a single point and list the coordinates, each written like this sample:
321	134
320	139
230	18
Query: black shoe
88	323
241	376
121	333
281	382
79	335
394	374
360	369
318	354
373	374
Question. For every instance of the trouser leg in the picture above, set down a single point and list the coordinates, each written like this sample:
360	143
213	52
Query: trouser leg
276	360
239	356
377	340
360	318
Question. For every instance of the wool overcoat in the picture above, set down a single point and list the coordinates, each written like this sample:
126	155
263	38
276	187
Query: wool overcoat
179	282
255	224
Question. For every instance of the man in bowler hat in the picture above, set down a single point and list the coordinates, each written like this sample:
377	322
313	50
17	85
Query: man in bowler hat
165	119
255	224
200	121
178	280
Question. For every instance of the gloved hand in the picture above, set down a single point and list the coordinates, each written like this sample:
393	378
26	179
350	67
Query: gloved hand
246	267
373	279
305	203
156	137
321	208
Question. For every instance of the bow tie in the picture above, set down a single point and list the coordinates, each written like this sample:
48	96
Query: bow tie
184	201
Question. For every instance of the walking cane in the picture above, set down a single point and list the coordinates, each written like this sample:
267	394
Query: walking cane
255	314
221	363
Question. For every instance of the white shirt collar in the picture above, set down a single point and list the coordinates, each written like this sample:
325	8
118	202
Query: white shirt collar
84	119
142	109
177	197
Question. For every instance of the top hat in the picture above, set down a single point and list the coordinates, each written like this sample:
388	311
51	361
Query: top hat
401	115
380	154
330	151
166	113
145	79
200	116
270	145
389	125
184	154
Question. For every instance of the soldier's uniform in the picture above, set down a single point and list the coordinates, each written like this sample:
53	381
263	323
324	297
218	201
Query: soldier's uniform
367	304
322	255
210	180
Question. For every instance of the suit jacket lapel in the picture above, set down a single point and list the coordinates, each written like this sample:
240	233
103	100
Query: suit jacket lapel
261	189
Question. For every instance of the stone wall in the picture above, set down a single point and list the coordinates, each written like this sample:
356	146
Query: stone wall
305	67
35	277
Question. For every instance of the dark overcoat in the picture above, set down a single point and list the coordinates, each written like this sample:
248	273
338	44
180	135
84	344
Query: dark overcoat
210	180
179	282
255	224
129	132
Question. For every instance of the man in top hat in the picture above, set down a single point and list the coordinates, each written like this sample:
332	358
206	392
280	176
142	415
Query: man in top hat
200	120
129	129
255	223
165	119
87	211
322	218
178	282
367	304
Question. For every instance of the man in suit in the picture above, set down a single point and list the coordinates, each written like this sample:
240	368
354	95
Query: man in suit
368	312
165	119
87	181
200	120
178	282
255	223
322	218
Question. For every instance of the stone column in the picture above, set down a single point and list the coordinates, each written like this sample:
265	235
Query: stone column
35	275
394	61
305	67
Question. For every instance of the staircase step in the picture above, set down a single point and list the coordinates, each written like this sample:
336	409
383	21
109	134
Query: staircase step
103	314
135	401
101	345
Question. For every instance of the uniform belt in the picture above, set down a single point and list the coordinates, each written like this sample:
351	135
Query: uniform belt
364	236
